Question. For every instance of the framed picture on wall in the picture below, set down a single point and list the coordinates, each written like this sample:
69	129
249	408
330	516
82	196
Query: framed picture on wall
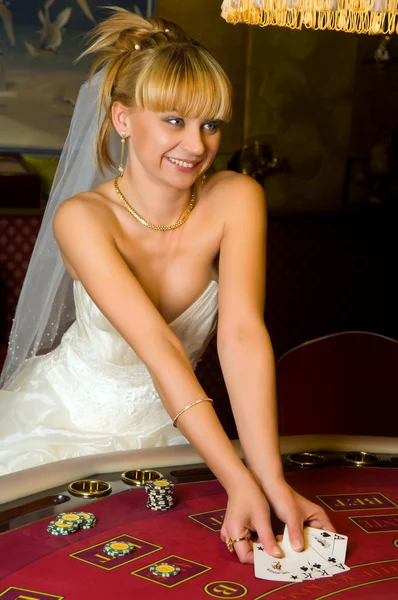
39	80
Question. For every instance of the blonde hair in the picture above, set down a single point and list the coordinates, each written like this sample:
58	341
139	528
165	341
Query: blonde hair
152	64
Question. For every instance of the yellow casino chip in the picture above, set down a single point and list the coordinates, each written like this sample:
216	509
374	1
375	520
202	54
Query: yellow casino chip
164	570
115	549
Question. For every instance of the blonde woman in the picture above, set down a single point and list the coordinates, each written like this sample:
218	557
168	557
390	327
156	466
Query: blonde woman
150	257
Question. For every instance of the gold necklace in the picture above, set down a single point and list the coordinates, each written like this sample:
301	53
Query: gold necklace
147	223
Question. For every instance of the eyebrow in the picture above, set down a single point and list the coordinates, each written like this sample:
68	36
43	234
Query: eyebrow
177	114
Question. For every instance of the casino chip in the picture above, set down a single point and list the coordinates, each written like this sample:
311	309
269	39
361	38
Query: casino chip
164	570
71	518
115	549
67	523
88	520
160	486
160	494
60	527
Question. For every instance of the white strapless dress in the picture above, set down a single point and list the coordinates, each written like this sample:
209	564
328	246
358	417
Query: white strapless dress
92	394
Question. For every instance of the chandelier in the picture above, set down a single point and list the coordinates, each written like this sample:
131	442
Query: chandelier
353	16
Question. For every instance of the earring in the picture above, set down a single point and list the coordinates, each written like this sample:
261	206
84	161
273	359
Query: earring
121	164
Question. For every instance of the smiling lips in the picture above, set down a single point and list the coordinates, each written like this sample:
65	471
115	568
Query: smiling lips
182	163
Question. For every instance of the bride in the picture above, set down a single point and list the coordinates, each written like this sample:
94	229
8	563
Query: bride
136	270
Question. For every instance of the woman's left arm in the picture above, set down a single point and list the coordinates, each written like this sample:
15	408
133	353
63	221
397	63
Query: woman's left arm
246	354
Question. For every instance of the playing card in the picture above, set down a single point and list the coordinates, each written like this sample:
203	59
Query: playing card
332	565
311	564
331	543
316	560
274	569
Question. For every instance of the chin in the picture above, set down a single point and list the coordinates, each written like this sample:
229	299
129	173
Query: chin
182	183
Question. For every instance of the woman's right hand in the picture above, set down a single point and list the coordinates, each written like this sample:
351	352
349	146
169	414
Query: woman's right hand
248	511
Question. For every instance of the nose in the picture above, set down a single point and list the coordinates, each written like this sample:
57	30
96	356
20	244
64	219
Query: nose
193	143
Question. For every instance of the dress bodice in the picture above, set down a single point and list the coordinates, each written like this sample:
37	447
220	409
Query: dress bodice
194	327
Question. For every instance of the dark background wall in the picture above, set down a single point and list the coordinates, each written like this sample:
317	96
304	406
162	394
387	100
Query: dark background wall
318	98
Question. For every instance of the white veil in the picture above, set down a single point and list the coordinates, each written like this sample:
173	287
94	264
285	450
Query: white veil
46	308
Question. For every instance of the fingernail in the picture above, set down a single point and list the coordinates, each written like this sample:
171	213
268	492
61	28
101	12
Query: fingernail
297	545
277	551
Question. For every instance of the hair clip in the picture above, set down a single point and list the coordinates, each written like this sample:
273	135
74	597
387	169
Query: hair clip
137	47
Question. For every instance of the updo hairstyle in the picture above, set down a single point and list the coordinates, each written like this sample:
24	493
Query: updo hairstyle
151	64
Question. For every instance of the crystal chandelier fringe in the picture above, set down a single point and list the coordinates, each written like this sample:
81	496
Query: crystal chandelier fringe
353	16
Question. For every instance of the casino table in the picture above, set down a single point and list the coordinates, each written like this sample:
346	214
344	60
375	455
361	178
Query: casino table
355	479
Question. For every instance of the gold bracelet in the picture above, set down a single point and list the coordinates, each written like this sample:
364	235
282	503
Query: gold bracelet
190	406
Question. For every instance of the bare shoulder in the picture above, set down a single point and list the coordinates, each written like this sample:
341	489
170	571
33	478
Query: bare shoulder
237	193
86	211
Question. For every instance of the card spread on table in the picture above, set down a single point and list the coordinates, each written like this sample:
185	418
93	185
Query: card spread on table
323	556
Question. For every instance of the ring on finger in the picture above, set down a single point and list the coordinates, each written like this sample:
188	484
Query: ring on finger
240	539
230	544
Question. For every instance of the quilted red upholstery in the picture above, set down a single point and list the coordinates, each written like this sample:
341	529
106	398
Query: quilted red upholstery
17	238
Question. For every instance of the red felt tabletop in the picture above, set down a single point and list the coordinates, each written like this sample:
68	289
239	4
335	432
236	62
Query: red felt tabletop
363	504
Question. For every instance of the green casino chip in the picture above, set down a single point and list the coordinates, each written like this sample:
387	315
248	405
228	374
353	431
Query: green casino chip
70	518
115	549
87	516
88	520
60	527
164	570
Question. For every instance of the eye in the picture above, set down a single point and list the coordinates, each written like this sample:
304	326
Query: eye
175	121
212	126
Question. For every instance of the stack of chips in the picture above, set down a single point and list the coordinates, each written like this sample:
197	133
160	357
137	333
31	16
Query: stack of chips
60	527
67	523
160	494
